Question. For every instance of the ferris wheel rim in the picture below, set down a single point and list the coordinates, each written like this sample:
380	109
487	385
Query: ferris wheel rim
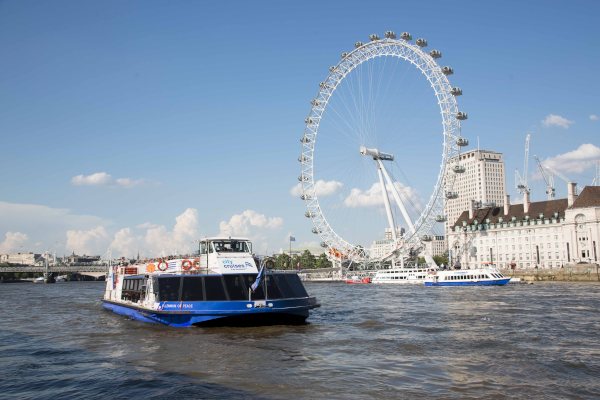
449	109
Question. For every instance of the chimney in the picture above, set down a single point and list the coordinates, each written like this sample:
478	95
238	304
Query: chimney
506	203
471	209
526	201
572	188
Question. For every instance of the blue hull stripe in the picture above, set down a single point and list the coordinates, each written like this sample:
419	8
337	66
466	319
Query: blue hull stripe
189	313
497	282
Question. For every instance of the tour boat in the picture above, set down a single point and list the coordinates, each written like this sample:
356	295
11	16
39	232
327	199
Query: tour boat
488	274
222	286
358	279
407	274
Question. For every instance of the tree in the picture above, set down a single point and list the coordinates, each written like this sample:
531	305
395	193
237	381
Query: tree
323	262
308	260
282	262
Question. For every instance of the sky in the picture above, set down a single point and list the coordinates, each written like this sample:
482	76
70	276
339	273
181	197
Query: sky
146	125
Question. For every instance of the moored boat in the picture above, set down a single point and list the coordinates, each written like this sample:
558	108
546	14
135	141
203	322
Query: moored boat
358	279
401	275
222	286
488	274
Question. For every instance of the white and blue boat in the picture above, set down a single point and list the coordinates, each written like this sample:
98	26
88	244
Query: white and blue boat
488	274
222	286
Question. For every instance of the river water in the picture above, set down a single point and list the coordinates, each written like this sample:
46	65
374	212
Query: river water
367	341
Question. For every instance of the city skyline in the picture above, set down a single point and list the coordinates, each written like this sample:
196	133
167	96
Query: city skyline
147	127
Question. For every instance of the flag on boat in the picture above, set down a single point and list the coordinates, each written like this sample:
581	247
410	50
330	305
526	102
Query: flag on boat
292	239
258	278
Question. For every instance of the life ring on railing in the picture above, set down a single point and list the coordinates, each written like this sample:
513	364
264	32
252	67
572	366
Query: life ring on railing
165	264
186	264
270	264
196	263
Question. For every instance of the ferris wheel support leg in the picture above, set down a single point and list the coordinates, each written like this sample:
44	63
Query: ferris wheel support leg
386	200
396	196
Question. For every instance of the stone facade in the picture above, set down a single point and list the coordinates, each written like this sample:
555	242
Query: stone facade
19	258
437	247
547	234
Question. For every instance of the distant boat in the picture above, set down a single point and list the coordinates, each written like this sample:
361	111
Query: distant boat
39	280
358	279
488	274
61	278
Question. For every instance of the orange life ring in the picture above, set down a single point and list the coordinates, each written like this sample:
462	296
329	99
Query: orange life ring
150	268
270	264
196	263
161	263
186	264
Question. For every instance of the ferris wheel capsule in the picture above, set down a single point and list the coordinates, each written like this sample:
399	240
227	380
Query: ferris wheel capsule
315	102
458	169
406	36
456	91
323	244
390	35
451	195
309	214
427	238
303	178
447	70
462	142
323	85
461	115
440	218
331	69
344	55
308	120
373	37
315	230
302	159
358	44
421	42
435	54
305	197
304	139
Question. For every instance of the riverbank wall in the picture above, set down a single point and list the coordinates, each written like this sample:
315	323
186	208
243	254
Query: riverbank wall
570	272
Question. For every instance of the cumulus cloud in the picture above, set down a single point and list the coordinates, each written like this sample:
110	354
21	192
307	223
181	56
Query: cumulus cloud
104	179
593	117
241	224
575	161
373	196
147	225
557	120
322	188
13	241
87	242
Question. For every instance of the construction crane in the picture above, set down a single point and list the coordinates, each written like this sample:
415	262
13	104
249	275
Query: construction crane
596	181
521	181
548	179
553	171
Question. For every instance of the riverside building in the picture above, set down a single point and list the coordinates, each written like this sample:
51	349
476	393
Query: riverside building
484	181
544	234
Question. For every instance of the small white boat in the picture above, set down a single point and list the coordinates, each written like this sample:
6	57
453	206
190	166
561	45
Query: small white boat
61	278
39	280
402	275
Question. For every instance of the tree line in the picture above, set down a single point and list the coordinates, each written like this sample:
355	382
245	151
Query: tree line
306	260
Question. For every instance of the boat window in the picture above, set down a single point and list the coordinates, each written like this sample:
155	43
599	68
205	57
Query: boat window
284	286
168	288
273	291
230	246
203	248
235	287
192	289
213	285
249	280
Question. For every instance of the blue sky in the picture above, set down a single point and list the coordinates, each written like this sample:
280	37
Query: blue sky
199	107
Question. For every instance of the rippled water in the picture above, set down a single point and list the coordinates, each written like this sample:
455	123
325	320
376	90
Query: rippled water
382	341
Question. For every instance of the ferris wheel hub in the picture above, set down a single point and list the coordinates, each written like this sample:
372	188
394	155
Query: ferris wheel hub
376	154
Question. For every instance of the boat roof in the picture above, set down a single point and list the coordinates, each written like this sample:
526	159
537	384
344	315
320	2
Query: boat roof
224	238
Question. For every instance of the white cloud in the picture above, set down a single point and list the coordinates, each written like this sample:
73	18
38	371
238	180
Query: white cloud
557	120
127	244
87	242
13	241
147	225
104	179
322	188
575	161
373	197
241	224
594	117
517	200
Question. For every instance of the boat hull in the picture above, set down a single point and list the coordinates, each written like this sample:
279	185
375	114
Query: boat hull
496	282
220	313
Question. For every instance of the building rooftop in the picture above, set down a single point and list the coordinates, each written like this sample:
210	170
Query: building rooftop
589	197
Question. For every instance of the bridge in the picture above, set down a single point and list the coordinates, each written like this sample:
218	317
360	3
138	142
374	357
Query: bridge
88	270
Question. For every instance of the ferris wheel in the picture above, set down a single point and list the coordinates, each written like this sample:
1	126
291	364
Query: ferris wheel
371	147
